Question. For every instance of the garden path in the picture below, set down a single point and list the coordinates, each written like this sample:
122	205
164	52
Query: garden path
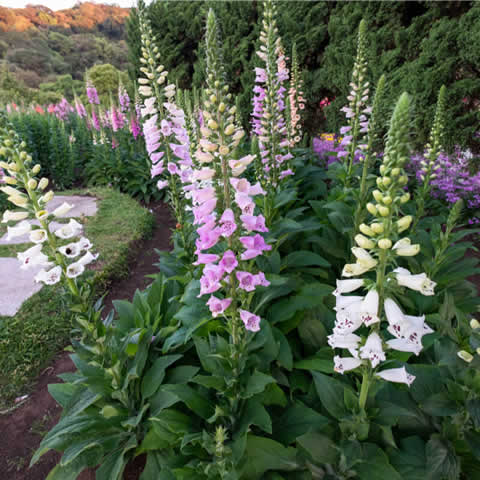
18	285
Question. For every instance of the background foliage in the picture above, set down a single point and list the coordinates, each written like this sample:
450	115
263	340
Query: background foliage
418	45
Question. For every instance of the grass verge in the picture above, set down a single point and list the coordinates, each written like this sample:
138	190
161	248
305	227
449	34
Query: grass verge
30	339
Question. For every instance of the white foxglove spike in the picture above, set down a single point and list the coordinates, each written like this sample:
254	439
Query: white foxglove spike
349	341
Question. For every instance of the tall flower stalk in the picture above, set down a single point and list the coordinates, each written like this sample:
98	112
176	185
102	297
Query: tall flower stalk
60	261
372	137
433	149
269	109
296	102
229	231
368	326
356	112
166	135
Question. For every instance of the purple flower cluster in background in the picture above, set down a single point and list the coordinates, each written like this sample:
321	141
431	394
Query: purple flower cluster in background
329	142
454	179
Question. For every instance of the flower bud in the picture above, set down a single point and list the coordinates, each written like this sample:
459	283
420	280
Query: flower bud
36	168
4	165
383	169
384	243
224	150
229	129
32	184
386	181
405	198
379	181
212	124
377	195
10	180
42	185
372	208
474	324
383	211
404	223
387	200
364	242
365	229
47	197
403	180
465	356
396	172
213	98
12	167
221	107
377	227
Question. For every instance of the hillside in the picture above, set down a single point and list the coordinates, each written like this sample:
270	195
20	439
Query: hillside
44	54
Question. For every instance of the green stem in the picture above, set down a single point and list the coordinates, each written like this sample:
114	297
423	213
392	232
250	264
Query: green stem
366	382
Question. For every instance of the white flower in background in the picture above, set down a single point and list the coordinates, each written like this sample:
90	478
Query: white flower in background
347	286
38	236
50	277
9	216
84	244
372	350
18	230
369	308
345	364
420	282
404	248
397	375
62	210
71	250
465	356
71	229
33	256
75	269
349	341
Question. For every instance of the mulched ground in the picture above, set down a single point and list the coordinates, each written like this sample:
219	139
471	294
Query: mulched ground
22	430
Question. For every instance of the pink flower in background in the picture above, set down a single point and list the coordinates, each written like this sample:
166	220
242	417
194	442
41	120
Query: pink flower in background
251	321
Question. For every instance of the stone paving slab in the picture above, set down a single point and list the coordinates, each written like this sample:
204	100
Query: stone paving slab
83	206
26	238
16	285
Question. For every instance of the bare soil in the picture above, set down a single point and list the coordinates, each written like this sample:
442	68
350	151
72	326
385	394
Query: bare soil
21	431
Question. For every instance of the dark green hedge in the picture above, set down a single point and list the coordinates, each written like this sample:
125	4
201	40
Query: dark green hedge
418	45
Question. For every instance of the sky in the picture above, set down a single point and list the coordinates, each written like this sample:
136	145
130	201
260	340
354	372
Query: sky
61	4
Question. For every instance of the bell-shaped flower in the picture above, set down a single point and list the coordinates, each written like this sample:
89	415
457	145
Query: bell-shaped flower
204	258
62	210
49	277
246	281
217	306
9	216
397	375
75	269
347	286
404	248
84	244
344	364
228	262
254	246
18	230
364	258
251	321
227	223
71	250
87	258
343	302
373	350
71	229
420	282
349	341
33	256
38	235
369	308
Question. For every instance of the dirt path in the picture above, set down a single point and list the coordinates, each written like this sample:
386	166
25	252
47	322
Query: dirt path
22	430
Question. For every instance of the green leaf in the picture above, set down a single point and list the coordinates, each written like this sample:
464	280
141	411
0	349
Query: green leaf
331	394
473	440
375	465
297	420
256	384
320	448
304	258
63	392
194	400
442	461
156	373
254	413
154	468
409	459
263	454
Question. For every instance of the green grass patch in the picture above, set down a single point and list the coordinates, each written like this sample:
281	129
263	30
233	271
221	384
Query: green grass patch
30	340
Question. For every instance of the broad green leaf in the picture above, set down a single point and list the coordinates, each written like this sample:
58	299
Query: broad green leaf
321	449
195	401
331	394
442	461
304	258
156	373
254	414
256	384
409	459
